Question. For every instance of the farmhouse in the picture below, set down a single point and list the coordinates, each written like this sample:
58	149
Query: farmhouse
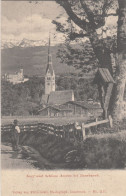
71	108
82	108
55	111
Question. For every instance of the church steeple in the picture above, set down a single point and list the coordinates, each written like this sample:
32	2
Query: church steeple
49	64
50	75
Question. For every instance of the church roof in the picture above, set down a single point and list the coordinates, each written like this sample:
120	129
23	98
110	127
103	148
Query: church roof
60	97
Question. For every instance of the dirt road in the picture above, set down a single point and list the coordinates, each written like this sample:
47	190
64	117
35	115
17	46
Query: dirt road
15	159
25	158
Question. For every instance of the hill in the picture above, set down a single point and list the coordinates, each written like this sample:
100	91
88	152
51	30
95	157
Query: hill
32	59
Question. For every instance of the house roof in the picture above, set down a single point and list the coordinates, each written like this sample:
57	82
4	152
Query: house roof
105	74
84	104
55	108
60	97
48	107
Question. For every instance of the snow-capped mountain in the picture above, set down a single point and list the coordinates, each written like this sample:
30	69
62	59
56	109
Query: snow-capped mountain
23	43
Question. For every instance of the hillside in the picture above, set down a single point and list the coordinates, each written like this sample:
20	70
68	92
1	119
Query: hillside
32	59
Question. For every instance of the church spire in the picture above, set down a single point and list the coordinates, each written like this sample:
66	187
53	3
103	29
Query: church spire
50	75
49	64
49	45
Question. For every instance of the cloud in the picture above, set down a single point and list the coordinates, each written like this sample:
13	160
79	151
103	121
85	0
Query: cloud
34	27
29	20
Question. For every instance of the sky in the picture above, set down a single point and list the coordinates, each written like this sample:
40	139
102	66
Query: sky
33	21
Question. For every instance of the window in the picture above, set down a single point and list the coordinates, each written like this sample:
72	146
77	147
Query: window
48	83
48	78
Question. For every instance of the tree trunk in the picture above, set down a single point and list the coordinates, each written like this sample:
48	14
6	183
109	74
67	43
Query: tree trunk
101	52
119	88
103	55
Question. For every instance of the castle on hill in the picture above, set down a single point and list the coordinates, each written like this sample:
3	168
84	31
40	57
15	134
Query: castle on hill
15	78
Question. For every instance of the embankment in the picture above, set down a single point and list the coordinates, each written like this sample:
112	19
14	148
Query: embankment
105	152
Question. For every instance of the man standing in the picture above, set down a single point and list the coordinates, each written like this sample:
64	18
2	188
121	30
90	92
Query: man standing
15	135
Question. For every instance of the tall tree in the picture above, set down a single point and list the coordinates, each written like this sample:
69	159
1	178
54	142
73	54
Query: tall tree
90	16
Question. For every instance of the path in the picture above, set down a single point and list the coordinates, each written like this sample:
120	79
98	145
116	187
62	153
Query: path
25	158
15	159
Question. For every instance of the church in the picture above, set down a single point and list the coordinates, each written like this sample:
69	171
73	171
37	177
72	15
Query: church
61	103
51	96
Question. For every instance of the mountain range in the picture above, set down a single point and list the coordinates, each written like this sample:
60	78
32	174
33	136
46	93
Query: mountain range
32	56
22	43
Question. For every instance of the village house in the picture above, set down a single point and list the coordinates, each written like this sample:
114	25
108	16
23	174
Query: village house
72	108
52	111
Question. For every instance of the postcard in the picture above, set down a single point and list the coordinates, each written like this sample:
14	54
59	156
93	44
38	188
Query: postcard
63	97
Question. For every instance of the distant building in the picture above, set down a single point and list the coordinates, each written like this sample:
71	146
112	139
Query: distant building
15	78
54	111
72	108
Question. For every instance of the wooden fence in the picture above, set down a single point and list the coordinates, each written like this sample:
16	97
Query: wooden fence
95	124
73	130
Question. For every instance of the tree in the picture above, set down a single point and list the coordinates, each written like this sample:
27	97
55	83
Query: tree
90	17
22	98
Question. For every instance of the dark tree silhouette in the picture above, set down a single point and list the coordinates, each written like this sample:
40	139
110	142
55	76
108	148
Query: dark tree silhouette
90	16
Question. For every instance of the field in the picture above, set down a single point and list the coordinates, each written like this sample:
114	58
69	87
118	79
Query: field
32	59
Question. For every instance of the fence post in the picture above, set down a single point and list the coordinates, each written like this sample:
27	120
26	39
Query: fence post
110	121
83	131
96	122
24	128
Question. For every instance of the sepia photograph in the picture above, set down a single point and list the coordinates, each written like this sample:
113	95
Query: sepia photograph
63	93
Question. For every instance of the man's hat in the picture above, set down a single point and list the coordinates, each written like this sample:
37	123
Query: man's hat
15	121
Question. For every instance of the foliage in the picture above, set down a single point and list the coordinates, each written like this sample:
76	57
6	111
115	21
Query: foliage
87	20
21	99
83	88
86	26
81	56
24	98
